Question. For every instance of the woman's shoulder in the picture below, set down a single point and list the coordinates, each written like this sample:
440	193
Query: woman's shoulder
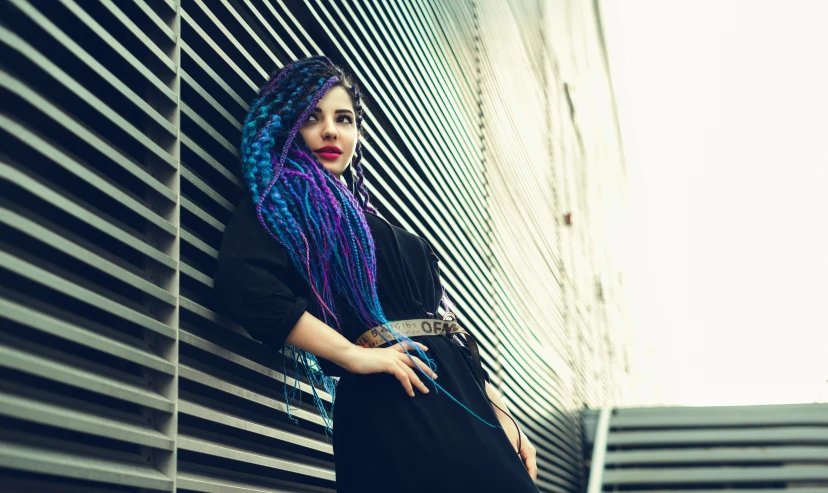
244	234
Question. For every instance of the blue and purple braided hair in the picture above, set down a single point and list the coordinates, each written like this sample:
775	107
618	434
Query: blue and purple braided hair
307	209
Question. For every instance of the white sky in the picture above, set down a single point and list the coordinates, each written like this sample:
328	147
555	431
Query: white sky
724	114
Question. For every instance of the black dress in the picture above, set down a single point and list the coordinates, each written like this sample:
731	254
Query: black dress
384	440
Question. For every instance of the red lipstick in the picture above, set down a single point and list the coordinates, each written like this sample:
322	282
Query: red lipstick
329	152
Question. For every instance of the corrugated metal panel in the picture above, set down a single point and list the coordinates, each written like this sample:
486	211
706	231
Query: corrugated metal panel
89	218
119	169
233	427
777	448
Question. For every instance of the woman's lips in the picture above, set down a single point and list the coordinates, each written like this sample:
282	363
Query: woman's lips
328	155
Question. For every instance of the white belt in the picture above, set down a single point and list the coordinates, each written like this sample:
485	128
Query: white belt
373	338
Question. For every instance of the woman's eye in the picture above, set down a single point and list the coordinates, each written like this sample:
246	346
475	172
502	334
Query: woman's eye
348	118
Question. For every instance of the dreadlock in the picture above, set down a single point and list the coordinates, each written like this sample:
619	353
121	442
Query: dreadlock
309	211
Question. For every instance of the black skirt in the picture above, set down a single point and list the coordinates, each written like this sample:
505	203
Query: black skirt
387	441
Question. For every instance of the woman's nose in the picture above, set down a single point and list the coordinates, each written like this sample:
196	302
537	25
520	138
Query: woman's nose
328	130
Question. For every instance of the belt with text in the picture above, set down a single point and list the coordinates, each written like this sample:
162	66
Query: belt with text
376	337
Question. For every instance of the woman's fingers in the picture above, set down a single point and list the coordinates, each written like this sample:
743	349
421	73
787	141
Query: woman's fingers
406	365
403	377
529	456
419	363
406	345
414	380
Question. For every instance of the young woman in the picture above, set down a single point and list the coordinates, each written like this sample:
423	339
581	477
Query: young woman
307	266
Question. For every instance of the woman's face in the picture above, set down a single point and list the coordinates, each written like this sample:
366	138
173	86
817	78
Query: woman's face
330	131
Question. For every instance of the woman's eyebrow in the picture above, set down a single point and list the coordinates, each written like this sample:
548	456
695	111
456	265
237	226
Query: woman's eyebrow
315	110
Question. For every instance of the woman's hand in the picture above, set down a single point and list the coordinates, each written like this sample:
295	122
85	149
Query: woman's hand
528	454
391	360
527	451
516	437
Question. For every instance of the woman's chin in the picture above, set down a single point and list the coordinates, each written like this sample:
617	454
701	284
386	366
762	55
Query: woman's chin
337	170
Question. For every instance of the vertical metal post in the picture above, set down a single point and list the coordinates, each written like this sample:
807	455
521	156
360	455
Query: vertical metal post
599	452
167	385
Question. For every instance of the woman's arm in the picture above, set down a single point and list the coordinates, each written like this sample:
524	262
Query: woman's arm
527	451
500	410
250	286
314	336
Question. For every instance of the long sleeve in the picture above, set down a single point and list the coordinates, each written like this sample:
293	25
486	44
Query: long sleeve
254	282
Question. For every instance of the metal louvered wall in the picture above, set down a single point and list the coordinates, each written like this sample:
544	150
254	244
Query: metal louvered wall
488	122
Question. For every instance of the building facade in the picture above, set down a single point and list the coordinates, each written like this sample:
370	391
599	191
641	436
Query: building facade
492	133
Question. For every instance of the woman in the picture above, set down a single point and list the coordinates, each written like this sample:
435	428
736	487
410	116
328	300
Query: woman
307	266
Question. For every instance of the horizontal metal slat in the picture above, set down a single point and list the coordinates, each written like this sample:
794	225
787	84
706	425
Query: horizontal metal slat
191	306
185	337
200	214
45	278
155	19
171	4
442	114
553	419
710	420
43	192
63	160
77	466
198	244
418	56
189	373
216	20
46	323
51	370
138	65
231	148
546	486
49	414
204	188
196	275
387	158
521	356
538	395
719	454
792	489
70	124
191	481
799	434
465	263
360	61
720	411
139	34
216	79
567	453
81	254
208	41
713	475
199	411
226	452
244	23
193	147
128	93
206	96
